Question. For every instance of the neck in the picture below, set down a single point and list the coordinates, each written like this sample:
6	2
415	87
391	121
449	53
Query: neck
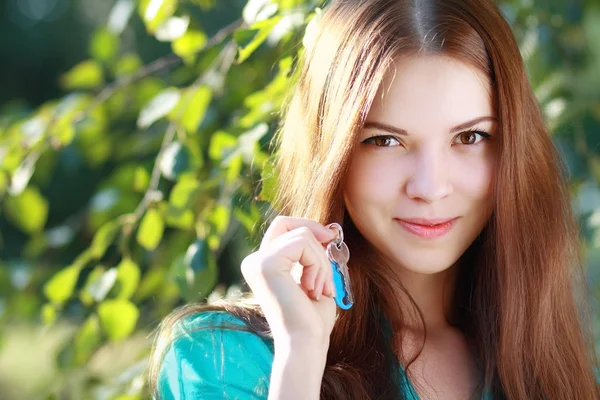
433	294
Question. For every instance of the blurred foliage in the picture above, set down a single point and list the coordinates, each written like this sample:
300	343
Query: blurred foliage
136	188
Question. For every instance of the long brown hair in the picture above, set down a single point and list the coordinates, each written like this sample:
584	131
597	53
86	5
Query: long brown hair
521	298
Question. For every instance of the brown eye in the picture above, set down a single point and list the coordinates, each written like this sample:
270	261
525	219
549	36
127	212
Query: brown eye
468	138
382	141
471	137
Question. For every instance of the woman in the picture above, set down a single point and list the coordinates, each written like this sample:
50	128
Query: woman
414	126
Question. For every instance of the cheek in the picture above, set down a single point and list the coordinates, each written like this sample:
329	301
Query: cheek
473	176
372	179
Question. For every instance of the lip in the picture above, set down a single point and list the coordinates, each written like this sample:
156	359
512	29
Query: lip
427	228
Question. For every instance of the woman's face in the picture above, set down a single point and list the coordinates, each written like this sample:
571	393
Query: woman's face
419	187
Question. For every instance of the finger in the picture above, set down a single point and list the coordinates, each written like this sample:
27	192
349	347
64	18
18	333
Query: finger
320	281
281	225
298	246
327	291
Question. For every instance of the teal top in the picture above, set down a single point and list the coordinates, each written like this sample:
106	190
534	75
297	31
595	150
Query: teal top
215	363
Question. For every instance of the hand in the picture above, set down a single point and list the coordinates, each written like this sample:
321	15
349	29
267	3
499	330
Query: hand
297	312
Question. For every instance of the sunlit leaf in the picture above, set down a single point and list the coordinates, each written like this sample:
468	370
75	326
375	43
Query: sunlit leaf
222	145
184	193
151	229
87	339
28	211
155	12
49	314
158	107
269	182
128	277
258	10
104	238
191	108
104	45
60	287
234	168
250	39
23	173
219	219
173	28
146	90
85	75
188	45
119	16
118	318
101	283
141	179
177	159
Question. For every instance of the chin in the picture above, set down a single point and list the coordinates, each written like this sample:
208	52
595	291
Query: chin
426	263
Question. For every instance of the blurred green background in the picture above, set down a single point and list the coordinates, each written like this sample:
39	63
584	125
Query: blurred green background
135	175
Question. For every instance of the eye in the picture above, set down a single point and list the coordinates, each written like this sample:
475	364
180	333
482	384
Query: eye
382	141
471	137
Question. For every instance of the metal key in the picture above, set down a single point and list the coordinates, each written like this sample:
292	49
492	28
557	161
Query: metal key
338	255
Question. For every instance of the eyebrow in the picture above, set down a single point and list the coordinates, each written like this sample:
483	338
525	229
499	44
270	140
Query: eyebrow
392	129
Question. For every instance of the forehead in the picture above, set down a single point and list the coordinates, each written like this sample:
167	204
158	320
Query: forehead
433	92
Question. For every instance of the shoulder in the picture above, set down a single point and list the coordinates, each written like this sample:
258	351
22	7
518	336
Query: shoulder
213	352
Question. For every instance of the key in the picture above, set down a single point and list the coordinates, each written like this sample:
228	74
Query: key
338	257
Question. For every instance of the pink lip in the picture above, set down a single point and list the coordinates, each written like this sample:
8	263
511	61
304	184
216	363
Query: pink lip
427	228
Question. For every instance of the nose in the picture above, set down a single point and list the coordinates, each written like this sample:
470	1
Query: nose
429	181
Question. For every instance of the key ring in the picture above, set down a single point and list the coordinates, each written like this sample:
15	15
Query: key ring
340	237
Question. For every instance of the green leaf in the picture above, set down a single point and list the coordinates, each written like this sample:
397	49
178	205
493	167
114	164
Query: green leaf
60	287
103	238
250	39
173	28
269	181
155	12
127	64
23	174
248	142
100	283
28	211
141	179
219	219
178	159
49	314
151	229
158	107
234	168
118	318
85	75
192	285
188	45
258	10
128	276
87	339
184	192
179	217
222	145
104	45
248	218
192	107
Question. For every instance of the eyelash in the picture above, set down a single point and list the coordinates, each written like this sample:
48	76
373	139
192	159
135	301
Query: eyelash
484	134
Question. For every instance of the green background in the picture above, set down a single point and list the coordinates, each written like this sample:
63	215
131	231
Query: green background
135	175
